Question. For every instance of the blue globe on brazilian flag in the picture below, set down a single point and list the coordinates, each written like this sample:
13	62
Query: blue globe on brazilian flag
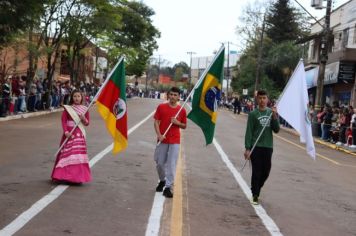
206	96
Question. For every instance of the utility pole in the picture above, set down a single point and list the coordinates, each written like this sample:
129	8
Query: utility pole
198	68
260	51
147	73
228	69
190	70
322	64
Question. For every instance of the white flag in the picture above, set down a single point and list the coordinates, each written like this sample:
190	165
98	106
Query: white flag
293	107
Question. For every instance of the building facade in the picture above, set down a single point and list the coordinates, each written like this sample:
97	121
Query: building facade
199	64
339	79
14	61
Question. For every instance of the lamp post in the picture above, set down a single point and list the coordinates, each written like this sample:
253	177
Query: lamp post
228	72
190	69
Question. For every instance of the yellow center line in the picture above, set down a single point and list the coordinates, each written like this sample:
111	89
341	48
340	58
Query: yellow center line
177	208
301	147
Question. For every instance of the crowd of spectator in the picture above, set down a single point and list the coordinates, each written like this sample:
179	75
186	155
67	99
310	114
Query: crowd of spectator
17	97
337	124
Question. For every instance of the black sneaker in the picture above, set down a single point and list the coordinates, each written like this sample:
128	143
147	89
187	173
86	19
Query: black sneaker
255	200
167	193
160	186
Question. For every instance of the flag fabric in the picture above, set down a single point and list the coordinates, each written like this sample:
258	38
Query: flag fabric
206	95
293	107
111	105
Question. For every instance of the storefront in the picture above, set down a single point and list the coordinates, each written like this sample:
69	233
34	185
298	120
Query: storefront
338	82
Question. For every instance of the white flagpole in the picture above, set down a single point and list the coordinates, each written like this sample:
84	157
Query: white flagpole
195	86
90	104
264	126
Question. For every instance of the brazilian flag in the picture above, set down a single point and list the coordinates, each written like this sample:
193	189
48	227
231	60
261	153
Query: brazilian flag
207	93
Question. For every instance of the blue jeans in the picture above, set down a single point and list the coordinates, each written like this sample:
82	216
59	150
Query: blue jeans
325	131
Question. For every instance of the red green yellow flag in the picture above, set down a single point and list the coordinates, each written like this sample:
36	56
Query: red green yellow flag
111	105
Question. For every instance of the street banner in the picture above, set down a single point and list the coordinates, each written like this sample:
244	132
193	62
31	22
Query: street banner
293	107
207	92
111	105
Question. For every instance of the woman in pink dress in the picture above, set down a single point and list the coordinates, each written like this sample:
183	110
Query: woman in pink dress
72	163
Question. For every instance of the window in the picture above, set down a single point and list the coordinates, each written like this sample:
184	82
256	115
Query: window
345	38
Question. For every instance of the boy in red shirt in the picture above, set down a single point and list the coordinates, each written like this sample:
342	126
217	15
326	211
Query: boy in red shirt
167	152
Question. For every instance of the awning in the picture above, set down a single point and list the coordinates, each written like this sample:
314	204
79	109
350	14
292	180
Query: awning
63	78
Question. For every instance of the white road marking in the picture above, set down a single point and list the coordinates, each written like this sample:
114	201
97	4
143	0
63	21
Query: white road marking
154	221
36	208
260	211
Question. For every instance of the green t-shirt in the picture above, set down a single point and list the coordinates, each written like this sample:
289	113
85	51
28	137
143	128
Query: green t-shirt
255	122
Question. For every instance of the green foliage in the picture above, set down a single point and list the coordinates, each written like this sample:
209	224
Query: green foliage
178	74
179	70
281	22
16	16
246	75
135	37
284	25
120	27
281	60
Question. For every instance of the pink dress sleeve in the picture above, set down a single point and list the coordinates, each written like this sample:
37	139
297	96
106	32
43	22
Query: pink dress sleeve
64	122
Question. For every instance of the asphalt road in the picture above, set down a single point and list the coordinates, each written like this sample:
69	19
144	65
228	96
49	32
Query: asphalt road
301	196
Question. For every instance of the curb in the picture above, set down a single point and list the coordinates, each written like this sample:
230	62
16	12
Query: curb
34	114
30	114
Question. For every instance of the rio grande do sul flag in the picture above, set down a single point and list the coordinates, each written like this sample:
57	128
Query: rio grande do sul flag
293	107
207	92
111	105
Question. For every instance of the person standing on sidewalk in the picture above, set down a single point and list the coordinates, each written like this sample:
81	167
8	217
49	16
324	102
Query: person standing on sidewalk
167	151
261	155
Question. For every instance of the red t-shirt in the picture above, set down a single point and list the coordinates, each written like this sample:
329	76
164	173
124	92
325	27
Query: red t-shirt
164	113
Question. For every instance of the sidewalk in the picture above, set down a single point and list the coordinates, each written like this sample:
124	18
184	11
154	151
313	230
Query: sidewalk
29	114
36	113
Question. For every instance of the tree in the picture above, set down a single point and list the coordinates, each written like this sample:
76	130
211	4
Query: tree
280	53
281	60
16	16
281	22
135	38
85	24
179	70
248	31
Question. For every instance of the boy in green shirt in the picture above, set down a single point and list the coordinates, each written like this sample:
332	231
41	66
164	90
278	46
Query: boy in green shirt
262	153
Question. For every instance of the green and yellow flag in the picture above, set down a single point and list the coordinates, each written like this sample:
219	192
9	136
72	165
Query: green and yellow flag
206	96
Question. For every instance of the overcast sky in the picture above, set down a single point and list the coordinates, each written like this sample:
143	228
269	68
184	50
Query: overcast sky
201	25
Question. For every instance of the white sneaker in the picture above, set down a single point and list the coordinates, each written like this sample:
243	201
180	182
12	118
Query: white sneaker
339	143
353	146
